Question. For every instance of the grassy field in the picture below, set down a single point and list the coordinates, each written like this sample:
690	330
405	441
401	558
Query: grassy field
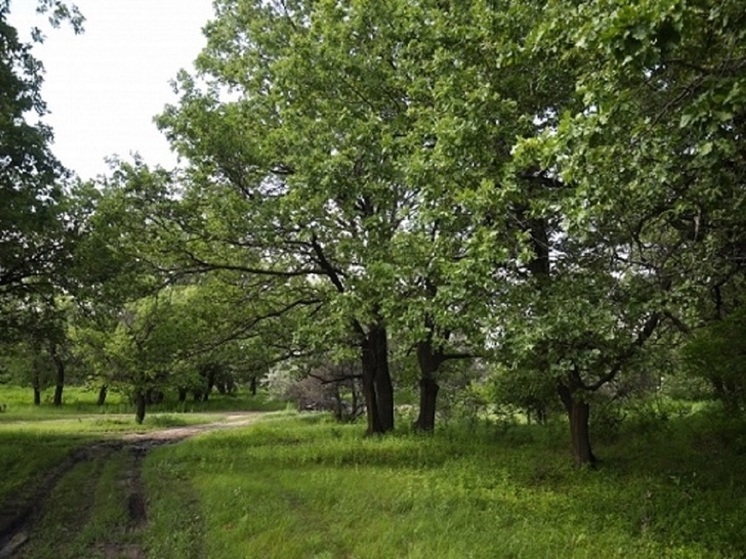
300	488
16	403
303	487
35	438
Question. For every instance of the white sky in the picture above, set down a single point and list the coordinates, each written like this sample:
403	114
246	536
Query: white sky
104	87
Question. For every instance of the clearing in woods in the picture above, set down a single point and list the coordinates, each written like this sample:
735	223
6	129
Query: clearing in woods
93	503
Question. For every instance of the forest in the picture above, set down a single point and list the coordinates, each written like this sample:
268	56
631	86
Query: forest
518	225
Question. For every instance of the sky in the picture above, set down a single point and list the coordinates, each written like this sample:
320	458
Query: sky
103	87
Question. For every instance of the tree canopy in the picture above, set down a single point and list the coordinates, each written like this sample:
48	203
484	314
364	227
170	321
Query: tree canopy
552	193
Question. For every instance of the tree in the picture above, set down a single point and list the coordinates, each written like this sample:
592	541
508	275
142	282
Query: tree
28	364
353	138
28	171
356	132
646	215
153	344
133	289
35	232
318	198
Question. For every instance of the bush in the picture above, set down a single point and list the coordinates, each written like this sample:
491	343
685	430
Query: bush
326	387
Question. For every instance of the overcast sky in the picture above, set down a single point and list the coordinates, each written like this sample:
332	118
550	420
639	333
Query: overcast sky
103	87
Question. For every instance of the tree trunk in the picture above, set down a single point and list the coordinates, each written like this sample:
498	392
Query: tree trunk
383	385
60	381
57	401
252	386
210	383
429	362
102	392
140	403
377	387
578	413
369	393
182	395
428	397
36	385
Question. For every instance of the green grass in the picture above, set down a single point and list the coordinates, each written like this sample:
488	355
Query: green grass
669	485
108	514
31	448
66	511
86	513
304	488
16	403
26	457
178	528
34	439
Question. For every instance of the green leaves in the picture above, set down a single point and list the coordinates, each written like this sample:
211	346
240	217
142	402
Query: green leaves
557	181
716	354
36	219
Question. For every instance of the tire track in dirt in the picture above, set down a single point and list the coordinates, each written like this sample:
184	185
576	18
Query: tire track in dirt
19	514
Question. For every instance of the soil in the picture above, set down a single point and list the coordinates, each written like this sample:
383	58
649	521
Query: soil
17	517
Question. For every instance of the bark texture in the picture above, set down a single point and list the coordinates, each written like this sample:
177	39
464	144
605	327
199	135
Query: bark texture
377	387
60	378
578	413
140	403
102	393
429	361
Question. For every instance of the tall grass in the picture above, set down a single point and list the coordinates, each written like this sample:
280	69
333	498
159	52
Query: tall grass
304	488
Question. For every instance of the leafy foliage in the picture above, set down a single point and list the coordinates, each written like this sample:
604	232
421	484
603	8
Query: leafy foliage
549	192
716	354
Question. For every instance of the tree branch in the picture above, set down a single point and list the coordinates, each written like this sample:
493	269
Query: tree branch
343	378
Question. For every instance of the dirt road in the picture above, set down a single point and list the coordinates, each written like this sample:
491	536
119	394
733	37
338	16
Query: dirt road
29	527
